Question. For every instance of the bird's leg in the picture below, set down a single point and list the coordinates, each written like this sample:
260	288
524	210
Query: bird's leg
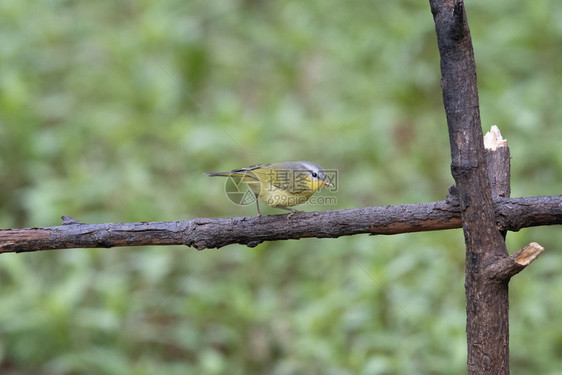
258	205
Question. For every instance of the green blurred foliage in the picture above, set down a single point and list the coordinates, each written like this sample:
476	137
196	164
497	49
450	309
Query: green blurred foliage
112	111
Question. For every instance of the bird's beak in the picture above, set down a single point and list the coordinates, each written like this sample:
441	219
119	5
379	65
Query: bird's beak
327	183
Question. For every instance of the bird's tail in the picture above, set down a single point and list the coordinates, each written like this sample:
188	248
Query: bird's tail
226	174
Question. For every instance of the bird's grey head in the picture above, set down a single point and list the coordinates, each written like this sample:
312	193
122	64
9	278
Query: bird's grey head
314	171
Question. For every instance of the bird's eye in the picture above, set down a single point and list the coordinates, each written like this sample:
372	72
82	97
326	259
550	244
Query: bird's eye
314	174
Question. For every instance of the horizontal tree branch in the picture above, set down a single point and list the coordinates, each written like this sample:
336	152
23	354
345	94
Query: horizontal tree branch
512	214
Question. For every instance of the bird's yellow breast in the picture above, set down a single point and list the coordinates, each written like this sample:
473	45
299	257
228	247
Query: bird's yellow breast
276	197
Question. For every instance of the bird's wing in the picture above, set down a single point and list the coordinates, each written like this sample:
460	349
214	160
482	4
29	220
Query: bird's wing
284	179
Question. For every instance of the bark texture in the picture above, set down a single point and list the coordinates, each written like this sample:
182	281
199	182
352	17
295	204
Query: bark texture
486	298
512	214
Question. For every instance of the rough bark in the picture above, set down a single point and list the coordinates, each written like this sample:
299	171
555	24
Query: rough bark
512	214
486	298
498	160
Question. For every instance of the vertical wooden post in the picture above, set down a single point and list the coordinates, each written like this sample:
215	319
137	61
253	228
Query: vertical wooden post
486	299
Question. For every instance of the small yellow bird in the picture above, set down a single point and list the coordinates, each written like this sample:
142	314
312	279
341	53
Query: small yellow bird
281	185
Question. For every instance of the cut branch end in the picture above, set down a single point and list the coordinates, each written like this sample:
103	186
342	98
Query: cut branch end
493	139
528	254
507	267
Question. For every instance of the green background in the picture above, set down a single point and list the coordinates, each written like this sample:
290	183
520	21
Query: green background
112	111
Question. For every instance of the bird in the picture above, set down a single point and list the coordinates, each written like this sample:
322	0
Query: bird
283	184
